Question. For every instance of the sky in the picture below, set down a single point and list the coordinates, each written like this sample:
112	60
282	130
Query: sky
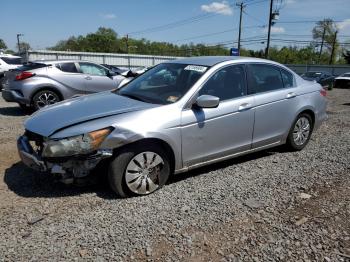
43	23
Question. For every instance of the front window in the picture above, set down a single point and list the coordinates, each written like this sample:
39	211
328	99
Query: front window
163	84
92	69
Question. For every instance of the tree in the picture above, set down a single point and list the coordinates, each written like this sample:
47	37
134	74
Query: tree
2	44
346	56
325	31
24	46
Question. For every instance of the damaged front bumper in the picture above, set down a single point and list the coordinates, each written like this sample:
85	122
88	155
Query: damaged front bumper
67	168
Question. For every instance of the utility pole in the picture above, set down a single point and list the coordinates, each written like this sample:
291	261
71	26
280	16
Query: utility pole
127	49
323	34
269	31
240	27
19	47
333	47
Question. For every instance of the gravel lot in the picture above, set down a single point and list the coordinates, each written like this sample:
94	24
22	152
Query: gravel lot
273	205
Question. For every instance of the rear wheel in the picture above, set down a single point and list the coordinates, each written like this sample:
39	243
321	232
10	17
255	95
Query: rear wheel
139	169
300	133
45	98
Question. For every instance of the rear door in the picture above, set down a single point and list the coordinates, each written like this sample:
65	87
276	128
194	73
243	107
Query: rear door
275	101
211	133
68	75
96	79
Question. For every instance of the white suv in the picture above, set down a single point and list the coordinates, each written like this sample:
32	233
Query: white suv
8	62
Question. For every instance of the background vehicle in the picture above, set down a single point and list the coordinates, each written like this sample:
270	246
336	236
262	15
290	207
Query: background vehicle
342	81
175	117
8	62
42	83
325	79
115	69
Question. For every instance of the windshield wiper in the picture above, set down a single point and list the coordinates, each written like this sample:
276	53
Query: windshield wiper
132	96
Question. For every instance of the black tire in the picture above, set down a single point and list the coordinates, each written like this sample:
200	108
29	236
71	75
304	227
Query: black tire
38	100
291	143
117	168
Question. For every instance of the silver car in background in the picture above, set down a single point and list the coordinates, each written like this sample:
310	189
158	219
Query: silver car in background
177	116
42	83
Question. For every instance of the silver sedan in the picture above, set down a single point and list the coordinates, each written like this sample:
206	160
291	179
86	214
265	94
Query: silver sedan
175	117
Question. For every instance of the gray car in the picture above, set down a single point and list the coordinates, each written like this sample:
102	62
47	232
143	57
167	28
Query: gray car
42	83
177	116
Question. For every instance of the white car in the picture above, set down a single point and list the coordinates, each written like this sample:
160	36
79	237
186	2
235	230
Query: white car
8	62
342	81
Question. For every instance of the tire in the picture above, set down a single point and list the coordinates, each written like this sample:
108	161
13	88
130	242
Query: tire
300	132
140	180
45	98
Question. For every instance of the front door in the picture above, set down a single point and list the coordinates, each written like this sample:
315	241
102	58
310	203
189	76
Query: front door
210	133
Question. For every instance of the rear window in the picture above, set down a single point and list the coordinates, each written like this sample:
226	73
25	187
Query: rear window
31	66
67	67
12	60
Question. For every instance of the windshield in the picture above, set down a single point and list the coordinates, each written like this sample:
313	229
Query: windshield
346	75
30	66
164	84
312	74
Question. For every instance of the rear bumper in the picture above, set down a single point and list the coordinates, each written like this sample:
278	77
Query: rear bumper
13	96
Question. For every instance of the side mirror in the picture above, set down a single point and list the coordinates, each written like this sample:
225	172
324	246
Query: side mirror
207	101
110	73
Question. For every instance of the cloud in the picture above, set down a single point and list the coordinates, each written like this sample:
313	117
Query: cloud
108	16
344	24
222	8
275	30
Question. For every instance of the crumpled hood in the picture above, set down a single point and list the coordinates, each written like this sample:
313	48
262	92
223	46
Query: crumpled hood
70	112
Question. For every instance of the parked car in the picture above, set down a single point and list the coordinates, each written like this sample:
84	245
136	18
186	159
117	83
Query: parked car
42	83
177	116
342	81
8	62
117	70
325	79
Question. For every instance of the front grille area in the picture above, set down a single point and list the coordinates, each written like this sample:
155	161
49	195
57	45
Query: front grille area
35	140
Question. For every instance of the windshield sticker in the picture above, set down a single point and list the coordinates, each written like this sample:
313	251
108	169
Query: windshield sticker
200	69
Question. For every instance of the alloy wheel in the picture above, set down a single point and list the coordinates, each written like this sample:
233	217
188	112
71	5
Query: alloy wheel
143	171
301	131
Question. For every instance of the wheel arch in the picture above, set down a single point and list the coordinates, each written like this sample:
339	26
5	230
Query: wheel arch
154	141
51	88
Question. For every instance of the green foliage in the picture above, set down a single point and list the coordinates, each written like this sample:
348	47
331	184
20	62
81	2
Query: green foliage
23	46
2	44
106	40
346	56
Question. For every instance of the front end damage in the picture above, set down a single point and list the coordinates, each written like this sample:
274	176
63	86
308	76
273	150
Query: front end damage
66	169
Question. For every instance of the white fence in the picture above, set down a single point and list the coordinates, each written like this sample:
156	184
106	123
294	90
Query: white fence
132	60
122	60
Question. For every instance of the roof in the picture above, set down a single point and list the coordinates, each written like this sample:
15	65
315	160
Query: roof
213	60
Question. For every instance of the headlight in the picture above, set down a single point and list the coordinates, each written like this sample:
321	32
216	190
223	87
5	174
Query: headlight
77	145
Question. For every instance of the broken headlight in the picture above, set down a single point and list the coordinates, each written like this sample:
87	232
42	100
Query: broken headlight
76	145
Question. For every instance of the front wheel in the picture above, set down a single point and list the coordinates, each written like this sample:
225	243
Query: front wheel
300	133
139	169
44	98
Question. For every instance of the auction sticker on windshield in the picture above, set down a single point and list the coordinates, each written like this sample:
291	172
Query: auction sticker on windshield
200	69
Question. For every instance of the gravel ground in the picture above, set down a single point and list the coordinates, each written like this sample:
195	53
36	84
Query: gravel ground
273	205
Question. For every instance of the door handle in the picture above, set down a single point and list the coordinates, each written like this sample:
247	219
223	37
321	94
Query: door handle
244	106
291	95
88	77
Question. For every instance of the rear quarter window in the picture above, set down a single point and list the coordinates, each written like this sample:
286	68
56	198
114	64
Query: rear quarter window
288	78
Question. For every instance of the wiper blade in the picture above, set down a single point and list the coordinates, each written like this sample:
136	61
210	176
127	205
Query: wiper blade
132	97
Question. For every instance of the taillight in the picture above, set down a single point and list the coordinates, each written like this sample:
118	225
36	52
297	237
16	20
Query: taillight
323	92
24	75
